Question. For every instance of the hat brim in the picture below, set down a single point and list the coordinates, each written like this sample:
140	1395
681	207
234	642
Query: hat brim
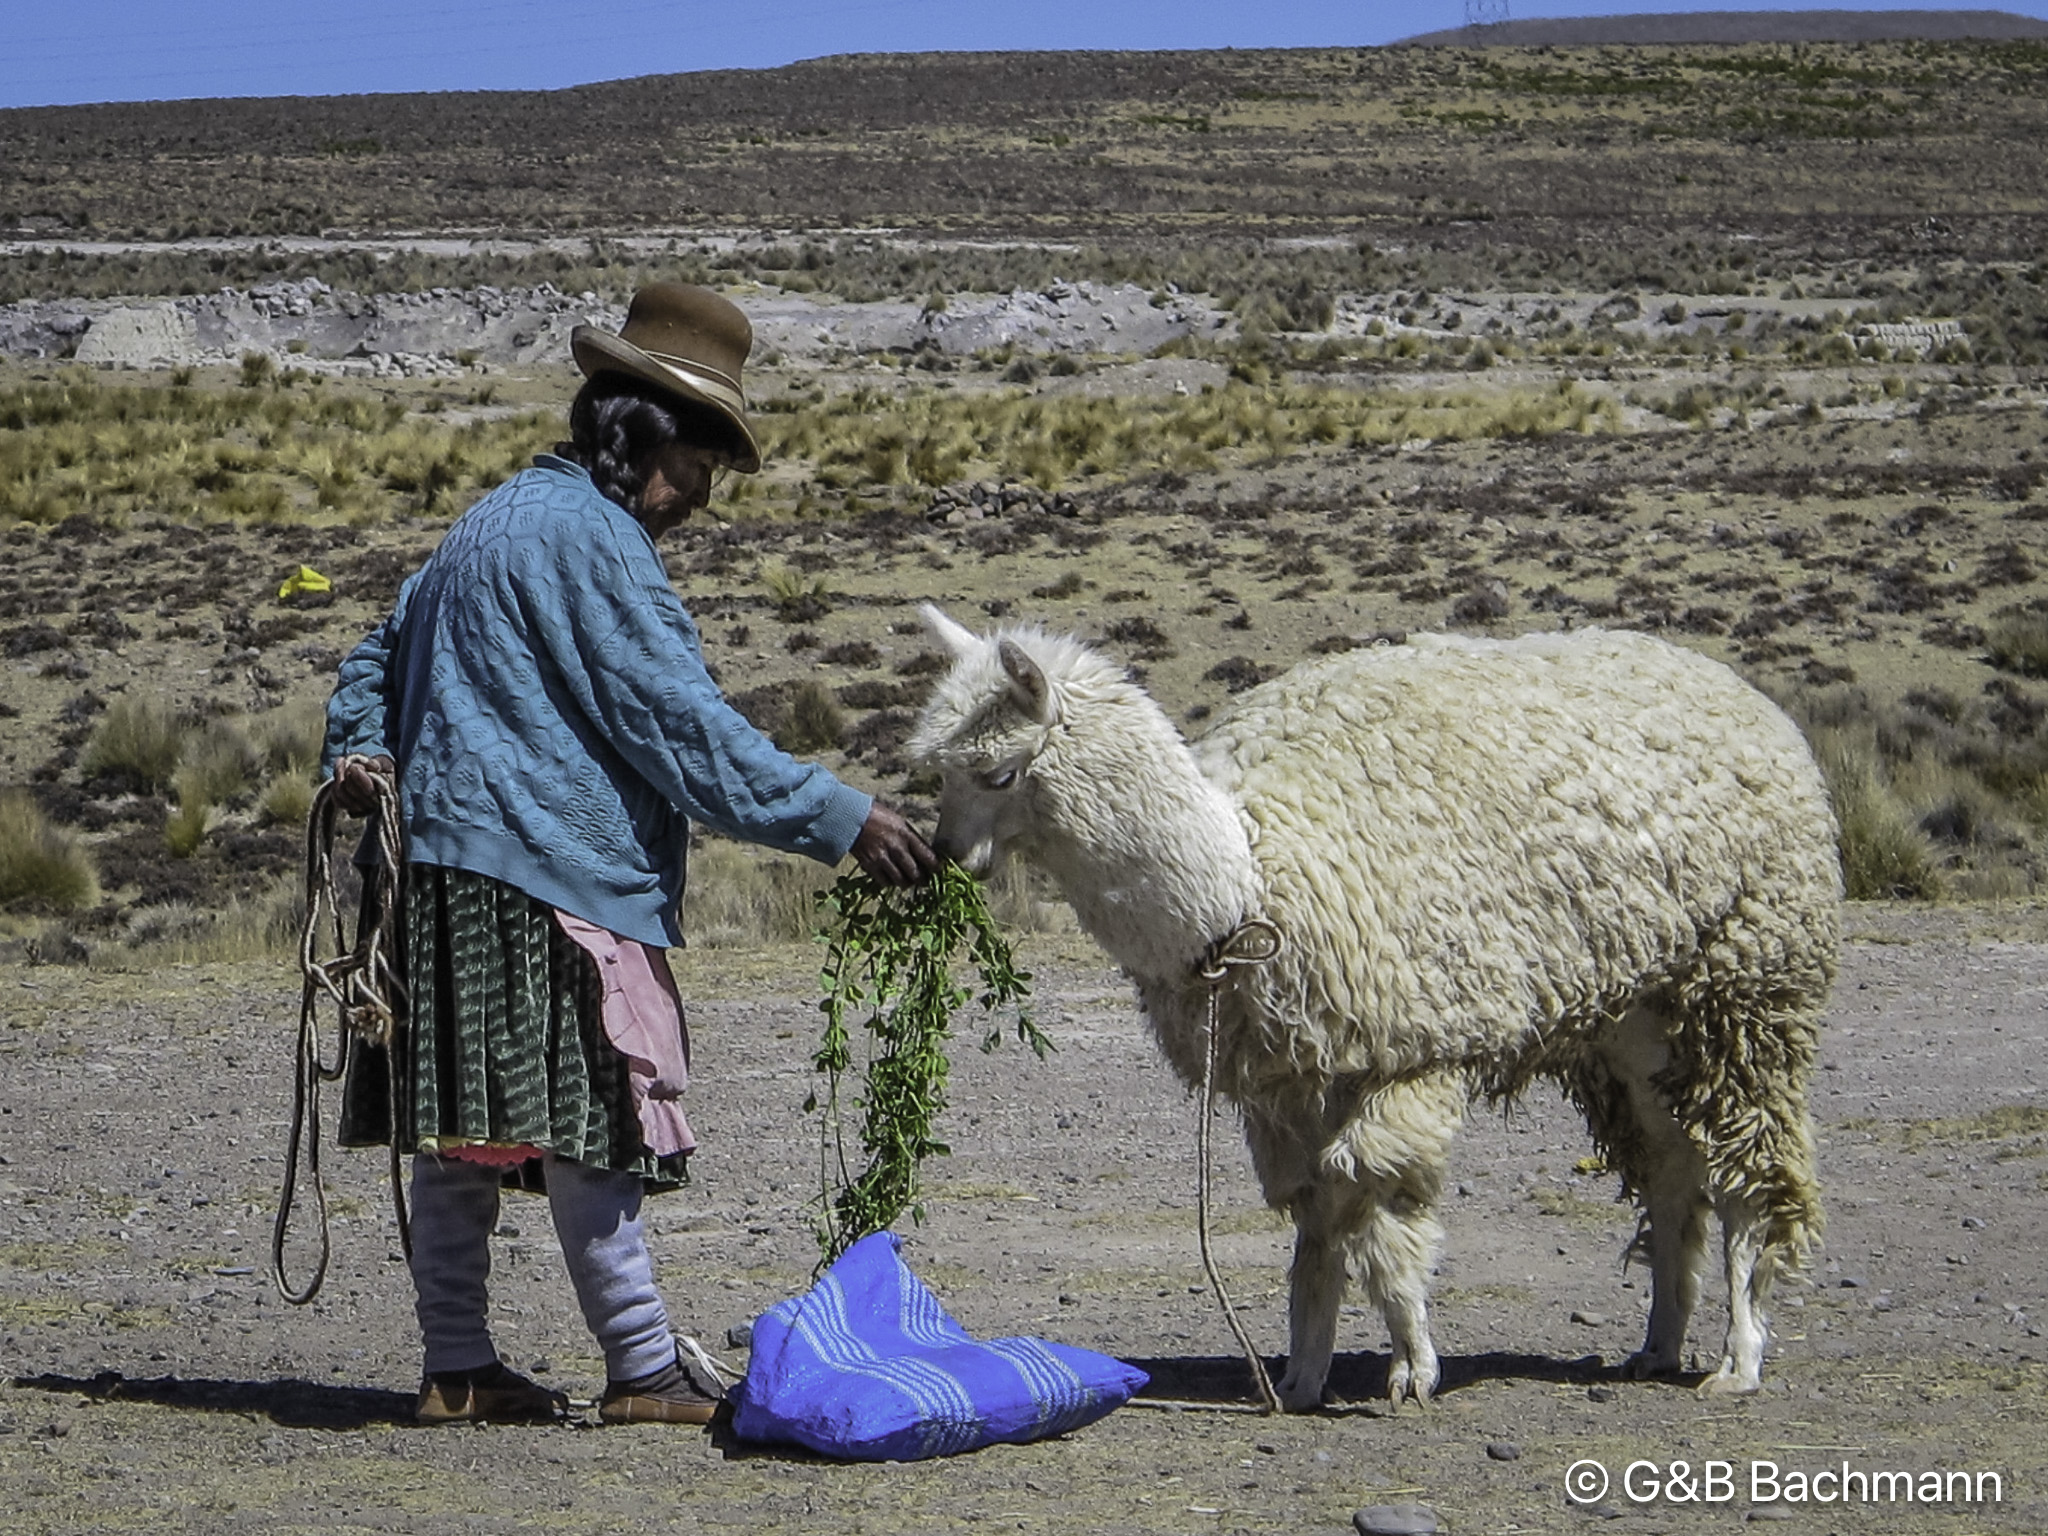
598	351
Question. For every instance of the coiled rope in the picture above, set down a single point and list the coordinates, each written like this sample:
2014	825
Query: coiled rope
363	984
1254	942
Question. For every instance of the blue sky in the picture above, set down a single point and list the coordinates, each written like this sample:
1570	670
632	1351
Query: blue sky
134	50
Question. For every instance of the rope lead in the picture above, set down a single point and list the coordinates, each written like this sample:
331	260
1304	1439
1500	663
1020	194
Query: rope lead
1254	942
366	990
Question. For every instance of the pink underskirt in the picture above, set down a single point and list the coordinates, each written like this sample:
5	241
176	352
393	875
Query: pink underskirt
491	1154
643	1018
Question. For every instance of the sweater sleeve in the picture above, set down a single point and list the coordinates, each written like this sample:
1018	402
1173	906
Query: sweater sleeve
629	651
359	707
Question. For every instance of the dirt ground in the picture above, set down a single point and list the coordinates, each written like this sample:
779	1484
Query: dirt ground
155	1380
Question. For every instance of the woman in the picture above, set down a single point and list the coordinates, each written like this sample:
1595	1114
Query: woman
540	695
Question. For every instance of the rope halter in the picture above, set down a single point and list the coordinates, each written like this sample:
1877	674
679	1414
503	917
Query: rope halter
1255	941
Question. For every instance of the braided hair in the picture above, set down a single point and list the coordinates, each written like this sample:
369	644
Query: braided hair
617	423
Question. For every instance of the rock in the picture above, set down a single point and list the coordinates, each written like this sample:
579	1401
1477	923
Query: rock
1503	1450
1770	1512
1395	1520
1600	1394
740	1336
1590	1319
140	338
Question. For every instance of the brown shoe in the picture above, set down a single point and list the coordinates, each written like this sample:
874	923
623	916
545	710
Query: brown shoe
490	1394
690	1391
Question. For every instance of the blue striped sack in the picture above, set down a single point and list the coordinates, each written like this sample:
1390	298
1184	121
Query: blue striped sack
867	1366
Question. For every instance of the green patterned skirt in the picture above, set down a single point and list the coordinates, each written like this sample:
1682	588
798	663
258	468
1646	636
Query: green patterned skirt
503	1040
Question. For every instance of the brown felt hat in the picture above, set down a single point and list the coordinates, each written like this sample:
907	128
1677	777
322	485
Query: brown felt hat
688	341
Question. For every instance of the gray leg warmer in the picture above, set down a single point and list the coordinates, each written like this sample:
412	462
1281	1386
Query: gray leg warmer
604	1243
454	1208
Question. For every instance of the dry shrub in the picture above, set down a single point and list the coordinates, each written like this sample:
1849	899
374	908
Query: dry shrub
42	868
2019	644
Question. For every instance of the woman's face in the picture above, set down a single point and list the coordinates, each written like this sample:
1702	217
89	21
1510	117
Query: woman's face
678	483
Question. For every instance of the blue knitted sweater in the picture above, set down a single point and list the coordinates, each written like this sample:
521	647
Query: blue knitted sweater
544	694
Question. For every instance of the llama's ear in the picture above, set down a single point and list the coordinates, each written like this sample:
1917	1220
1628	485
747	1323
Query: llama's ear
959	641
1027	682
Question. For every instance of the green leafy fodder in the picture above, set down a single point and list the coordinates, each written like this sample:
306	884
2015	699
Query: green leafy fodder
888	971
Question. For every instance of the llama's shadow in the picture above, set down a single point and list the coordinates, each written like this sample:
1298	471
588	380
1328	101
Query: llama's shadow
1358	1380
293	1403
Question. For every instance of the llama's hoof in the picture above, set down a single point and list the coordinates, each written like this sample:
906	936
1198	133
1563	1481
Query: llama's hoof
1729	1382
1298	1397
1407	1382
1645	1366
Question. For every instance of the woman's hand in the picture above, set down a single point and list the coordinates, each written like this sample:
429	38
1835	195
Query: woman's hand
889	849
354	790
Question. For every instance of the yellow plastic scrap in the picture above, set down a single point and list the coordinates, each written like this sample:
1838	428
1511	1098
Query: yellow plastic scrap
304	579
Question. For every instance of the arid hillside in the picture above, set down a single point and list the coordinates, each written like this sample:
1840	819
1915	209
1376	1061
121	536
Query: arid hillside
1358	141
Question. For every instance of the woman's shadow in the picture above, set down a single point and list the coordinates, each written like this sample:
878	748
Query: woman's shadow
294	1403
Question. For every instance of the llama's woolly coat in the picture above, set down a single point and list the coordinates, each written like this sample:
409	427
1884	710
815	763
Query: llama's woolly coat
1477	849
1468	842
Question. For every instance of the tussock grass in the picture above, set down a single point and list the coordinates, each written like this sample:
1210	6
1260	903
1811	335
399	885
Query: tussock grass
42	868
1884	855
287	743
216	765
814	722
265	926
931	438
137	739
80	445
2002	1122
279	453
742	898
1938	793
287	799
799	599
215	768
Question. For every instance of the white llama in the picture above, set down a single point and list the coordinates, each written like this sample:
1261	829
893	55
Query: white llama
1592	857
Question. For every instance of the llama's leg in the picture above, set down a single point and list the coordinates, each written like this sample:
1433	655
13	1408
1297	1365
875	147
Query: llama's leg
1392	1229
1660	1160
1283	1154
1399	1250
1394	1147
1749	1286
1315	1293
1676	1240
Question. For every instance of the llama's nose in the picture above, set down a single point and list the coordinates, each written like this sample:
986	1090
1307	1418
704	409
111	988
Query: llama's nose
969	855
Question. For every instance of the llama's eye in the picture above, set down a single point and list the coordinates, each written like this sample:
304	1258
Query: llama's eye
1002	778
